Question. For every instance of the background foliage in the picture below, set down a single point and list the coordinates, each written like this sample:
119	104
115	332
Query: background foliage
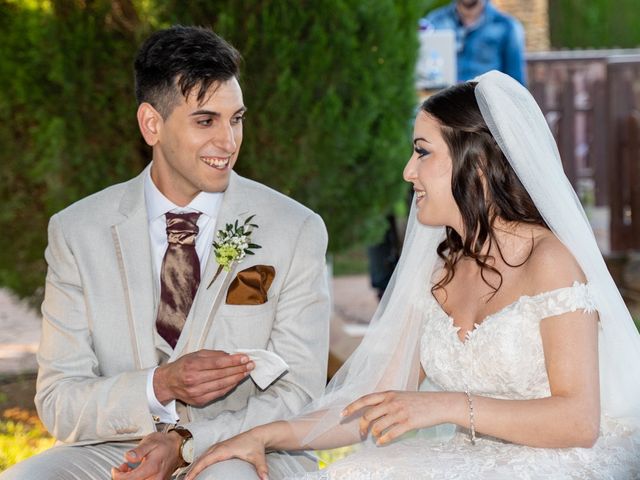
68	123
594	23
329	86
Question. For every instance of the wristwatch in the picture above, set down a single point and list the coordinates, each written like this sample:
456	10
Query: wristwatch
186	447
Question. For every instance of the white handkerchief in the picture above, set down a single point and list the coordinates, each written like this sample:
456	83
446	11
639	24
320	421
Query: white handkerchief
269	366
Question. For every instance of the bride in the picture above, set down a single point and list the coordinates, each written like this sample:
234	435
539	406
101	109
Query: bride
502	301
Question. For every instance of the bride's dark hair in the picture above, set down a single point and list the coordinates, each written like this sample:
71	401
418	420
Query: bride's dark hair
483	183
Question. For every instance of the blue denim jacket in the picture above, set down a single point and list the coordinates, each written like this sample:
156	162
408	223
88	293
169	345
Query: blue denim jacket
494	42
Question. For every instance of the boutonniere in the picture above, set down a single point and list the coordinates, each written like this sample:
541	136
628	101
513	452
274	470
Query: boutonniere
233	244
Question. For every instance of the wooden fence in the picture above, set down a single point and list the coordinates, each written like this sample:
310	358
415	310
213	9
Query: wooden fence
591	100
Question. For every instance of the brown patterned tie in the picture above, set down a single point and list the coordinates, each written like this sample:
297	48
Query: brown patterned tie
180	275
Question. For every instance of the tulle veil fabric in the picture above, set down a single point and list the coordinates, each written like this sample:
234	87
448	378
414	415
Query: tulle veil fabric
387	358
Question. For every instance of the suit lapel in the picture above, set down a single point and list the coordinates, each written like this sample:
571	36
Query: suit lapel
208	300
131	239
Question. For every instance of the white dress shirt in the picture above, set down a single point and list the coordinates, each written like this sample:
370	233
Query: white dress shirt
208	204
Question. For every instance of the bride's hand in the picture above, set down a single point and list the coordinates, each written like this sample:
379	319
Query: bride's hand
391	414
246	446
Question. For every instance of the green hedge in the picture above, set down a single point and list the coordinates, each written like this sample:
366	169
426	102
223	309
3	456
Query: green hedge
329	87
68	122
594	23
328	84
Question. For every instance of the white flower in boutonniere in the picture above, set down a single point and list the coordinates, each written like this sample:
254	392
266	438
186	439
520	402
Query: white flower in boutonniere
233	244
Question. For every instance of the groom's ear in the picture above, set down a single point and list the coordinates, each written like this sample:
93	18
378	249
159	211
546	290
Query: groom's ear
149	122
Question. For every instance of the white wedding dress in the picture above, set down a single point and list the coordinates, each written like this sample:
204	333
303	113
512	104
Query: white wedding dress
501	358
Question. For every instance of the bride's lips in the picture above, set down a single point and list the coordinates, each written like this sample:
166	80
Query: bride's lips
420	194
219	163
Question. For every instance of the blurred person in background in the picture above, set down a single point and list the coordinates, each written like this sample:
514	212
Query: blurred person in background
486	39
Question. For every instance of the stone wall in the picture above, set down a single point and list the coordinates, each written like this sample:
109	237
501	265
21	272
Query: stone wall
534	15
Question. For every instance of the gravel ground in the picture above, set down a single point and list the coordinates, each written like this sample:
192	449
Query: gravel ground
19	335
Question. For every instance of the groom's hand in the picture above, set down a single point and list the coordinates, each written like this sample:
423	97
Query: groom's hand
156	457
200	377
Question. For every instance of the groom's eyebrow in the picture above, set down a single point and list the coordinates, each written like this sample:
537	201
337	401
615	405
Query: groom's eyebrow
240	111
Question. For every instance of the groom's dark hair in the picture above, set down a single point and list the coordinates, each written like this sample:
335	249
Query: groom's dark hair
177	60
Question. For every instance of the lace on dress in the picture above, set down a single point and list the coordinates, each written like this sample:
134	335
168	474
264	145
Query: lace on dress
500	358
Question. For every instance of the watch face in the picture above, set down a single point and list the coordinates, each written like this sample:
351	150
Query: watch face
186	450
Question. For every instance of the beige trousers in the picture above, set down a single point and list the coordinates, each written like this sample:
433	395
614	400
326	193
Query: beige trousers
94	462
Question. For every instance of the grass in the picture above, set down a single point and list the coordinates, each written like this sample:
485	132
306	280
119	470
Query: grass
21	436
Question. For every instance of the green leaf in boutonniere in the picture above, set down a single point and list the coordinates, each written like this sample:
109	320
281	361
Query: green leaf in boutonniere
232	244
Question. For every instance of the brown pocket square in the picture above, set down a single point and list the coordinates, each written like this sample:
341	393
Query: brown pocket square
251	285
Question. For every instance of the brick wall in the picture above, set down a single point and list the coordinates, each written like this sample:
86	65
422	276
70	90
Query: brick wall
534	15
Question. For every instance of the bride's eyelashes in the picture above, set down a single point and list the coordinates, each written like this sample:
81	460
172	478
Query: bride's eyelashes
421	152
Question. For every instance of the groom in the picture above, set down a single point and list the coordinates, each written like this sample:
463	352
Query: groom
141	325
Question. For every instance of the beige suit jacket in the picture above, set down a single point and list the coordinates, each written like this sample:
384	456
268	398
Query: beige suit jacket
100	305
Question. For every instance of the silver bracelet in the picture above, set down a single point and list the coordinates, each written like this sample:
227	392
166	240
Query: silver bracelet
472	425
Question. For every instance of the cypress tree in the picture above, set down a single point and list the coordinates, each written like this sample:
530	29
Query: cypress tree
329	88
328	84
68	116
594	23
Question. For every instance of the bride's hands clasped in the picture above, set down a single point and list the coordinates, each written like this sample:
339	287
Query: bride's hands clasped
388	415
247	446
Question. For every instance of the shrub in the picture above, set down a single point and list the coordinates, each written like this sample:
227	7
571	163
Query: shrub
594	23
329	86
67	110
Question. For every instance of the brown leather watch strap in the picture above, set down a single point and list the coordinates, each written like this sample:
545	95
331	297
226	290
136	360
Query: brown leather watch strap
186	435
